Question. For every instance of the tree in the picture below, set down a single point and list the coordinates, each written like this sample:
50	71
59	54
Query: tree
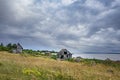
14	46
1	45
9	46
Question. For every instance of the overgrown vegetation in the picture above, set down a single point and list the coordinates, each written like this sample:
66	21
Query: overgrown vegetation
38	53
43	65
111	63
27	67
7	47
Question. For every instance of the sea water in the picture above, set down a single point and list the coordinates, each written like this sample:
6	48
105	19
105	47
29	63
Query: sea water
99	56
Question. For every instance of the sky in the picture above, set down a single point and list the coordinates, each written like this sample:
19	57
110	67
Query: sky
77	25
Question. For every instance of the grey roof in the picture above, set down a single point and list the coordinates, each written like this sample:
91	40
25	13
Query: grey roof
64	50
64	54
19	46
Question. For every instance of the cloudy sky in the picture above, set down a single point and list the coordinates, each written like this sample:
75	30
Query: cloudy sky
78	25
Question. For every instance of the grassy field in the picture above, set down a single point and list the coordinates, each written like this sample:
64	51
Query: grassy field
26	67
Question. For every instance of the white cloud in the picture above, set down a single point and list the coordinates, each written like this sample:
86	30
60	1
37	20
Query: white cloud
67	2
116	3
22	9
103	37
95	4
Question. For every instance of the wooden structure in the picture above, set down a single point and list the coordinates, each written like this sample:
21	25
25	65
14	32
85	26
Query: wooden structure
18	49
64	54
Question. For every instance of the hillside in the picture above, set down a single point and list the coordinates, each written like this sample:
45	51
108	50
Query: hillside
26	67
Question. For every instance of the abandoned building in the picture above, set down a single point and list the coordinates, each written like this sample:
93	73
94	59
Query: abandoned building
64	54
48	53
18	49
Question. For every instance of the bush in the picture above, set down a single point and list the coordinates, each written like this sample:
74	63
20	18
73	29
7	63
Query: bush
54	57
71	60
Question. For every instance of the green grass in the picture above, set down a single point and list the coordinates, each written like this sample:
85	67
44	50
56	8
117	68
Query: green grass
27	67
104	62
13	71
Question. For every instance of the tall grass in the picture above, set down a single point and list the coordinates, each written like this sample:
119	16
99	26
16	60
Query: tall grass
108	63
26	67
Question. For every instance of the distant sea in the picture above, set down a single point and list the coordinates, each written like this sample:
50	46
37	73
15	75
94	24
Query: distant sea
99	56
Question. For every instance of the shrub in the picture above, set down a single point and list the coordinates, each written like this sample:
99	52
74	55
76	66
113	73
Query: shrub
54	57
31	72
71	59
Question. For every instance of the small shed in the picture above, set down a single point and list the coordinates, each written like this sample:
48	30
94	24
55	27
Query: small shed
48	53
64	54
18	48
78	59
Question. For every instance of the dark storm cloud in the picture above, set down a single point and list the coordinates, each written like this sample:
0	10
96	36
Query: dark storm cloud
81	25
5	11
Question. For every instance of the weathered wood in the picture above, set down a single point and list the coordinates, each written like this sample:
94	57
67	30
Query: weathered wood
64	54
